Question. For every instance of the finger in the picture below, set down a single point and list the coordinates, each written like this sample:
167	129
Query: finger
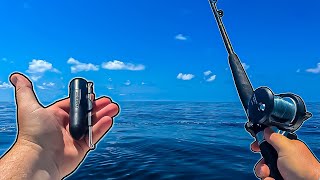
278	141
24	93
268	178
101	128
261	169
63	104
110	110
255	147
97	104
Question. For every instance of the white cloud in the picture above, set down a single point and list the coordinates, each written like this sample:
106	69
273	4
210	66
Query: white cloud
122	94
78	66
50	84
185	77
298	70
4	59
110	88
212	78
181	37
315	70
5	85
207	73
41	87
245	66
46	85
35	78
127	83
143	83
118	65
40	66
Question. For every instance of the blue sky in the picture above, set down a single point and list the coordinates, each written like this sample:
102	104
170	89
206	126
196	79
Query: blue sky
159	50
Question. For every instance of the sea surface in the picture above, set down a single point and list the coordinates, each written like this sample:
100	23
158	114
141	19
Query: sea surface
172	140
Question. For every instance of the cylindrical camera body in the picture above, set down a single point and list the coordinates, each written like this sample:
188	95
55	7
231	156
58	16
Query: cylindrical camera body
78	108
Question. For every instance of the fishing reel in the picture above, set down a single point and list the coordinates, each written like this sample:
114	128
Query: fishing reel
287	112
81	105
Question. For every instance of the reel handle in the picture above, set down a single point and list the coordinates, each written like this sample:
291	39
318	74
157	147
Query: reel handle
270	156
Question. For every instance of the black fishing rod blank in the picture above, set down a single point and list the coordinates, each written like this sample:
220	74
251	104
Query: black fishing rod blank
242	82
284	113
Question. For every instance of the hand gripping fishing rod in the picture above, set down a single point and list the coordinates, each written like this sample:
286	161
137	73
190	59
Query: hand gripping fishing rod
81	101
285	113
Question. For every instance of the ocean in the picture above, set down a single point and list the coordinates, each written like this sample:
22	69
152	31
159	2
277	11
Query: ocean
172	140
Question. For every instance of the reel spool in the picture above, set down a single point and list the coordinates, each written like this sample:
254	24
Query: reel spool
287	112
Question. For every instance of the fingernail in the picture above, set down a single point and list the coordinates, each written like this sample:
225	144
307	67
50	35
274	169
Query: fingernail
14	80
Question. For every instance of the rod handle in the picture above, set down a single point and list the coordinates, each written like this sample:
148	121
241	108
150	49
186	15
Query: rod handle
270	156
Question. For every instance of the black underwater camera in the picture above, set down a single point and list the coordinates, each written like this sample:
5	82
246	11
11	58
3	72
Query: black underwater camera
81	104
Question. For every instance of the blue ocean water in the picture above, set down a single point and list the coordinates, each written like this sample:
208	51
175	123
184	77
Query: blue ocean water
172	140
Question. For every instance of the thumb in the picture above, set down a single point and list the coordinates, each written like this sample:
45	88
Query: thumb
278	141
24	93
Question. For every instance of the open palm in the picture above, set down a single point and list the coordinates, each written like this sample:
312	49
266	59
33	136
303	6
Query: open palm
47	128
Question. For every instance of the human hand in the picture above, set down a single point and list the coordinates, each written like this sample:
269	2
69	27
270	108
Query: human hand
46	129
295	160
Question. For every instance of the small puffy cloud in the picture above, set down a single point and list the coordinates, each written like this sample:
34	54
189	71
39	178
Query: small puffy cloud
211	78
181	37
118	65
143	83
127	83
50	84
78	66
207	73
35	78
37	68
41	87
5	85
46	85
40	66
185	77
245	66
298	70
4	59
315	70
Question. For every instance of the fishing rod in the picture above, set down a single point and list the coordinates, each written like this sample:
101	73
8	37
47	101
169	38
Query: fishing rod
284	113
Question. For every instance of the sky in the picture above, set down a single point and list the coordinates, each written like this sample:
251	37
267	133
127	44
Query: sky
168	50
